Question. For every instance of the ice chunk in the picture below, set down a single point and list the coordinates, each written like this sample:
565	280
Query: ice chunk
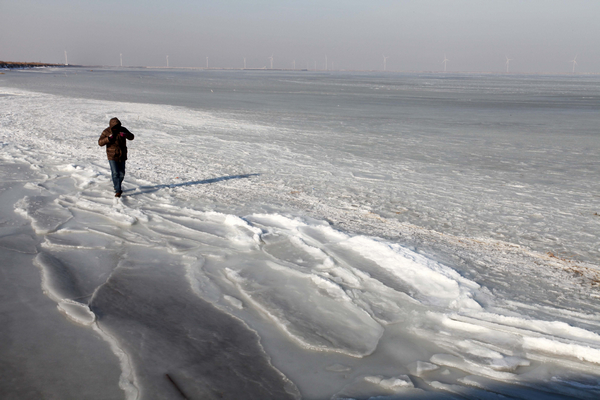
212	228
77	312
418	368
338	368
470	326
377	387
476	349
70	168
396	383
58	281
179	245
276	220
530	390
523	325
588	383
453	361
509	364
45	214
560	349
234	302
287	247
78	239
201	284
469	393
20	242
242	231
433	282
117	213
315	312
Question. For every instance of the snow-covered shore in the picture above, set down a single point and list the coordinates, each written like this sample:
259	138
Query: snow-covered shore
221	272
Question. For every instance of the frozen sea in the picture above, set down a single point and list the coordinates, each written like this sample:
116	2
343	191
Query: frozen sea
300	235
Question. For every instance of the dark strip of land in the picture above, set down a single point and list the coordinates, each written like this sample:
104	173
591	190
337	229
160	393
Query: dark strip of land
13	64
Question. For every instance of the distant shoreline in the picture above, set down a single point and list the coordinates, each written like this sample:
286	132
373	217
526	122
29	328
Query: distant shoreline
27	65
20	65
365	70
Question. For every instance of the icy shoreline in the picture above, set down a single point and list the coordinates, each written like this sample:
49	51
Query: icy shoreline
349	306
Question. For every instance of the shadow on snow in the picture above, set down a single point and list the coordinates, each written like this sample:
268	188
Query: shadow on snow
151	189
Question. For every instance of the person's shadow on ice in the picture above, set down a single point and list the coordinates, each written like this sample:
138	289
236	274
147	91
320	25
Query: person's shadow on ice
151	189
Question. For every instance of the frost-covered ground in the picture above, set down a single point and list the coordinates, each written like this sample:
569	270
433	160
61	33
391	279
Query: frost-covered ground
300	251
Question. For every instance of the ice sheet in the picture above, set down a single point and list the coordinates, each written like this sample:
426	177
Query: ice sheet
263	270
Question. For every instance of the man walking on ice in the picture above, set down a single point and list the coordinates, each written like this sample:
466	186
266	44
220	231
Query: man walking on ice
115	139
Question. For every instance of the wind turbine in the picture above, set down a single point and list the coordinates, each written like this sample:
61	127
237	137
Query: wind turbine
294	64
326	62
66	60
385	62
206	62
271	59
121	55
244	62
574	61
167	61
508	60
444	62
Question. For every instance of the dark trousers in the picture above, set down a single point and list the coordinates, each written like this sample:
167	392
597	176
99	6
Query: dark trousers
117	169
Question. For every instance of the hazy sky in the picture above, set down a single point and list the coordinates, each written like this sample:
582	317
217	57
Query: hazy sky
475	35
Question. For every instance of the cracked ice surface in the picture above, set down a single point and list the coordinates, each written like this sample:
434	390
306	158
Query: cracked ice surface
243	264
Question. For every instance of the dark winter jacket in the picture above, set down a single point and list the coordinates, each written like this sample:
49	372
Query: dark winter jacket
116	144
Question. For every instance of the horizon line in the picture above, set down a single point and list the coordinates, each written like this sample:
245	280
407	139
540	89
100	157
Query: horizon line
41	64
